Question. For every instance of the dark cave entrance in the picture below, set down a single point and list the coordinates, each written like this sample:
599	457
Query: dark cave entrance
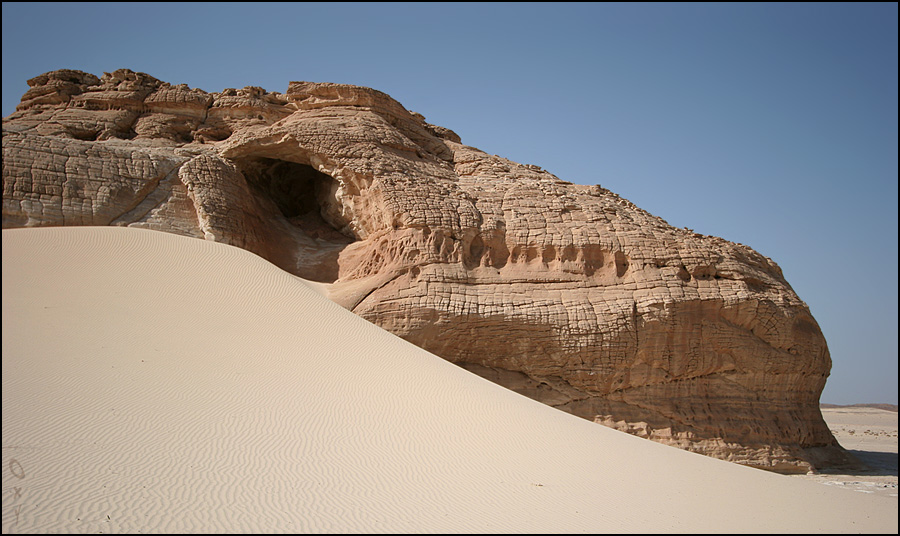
308	232
294	188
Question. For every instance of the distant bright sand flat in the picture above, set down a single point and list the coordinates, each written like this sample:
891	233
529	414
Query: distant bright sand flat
157	383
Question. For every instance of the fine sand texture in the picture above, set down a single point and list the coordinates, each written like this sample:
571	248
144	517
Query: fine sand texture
157	383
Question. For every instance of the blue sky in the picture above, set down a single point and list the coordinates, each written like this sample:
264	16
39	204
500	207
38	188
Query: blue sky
769	124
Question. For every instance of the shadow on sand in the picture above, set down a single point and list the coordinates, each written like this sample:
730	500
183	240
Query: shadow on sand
877	463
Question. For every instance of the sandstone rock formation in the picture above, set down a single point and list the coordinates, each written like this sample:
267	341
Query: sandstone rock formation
568	294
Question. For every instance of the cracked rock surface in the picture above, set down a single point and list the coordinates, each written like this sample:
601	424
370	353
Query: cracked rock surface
565	293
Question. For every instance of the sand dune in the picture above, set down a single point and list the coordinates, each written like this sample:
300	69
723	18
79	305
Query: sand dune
156	383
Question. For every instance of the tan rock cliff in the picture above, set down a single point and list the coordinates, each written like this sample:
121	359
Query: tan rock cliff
568	294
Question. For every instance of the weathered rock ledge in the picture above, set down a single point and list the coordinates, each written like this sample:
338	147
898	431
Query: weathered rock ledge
568	294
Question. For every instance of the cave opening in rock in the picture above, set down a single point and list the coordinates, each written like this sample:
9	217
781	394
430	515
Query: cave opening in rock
293	187
309	229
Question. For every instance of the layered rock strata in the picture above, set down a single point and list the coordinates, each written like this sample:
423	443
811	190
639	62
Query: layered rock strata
565	293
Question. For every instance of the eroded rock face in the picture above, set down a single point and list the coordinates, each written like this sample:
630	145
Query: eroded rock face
568	294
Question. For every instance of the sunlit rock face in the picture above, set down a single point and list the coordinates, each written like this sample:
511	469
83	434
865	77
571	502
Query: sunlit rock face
565	293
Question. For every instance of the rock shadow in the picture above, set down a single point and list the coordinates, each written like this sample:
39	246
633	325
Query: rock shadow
307	244
876	463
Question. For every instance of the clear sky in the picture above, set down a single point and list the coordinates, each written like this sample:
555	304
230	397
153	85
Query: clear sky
769	124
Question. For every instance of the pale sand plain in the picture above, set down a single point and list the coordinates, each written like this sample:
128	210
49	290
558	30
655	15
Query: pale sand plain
871	436
157	383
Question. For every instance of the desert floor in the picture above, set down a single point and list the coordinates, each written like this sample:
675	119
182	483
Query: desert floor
870	435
